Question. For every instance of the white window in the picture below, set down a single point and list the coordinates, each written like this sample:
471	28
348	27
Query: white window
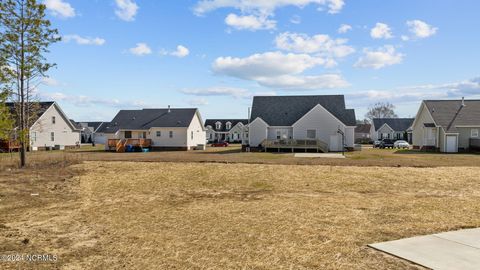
218	125
278	135
53	119
52	136
311	134
34	136
228	125
191	135
159	133
211	136
170	134
474	133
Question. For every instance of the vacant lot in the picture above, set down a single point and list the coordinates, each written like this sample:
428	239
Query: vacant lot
110	215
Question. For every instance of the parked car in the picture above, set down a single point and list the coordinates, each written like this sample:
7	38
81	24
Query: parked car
376	144
386	143
401	144
220	144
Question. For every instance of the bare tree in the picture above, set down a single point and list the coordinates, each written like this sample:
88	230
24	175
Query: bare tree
25	36
381	110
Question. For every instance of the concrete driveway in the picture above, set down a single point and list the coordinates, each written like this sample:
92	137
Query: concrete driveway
450	250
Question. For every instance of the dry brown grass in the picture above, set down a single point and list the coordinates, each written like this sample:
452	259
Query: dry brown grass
217	216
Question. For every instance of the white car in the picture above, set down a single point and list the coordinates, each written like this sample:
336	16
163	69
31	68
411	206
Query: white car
401	144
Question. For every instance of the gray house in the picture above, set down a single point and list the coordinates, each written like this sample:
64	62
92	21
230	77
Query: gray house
229	130
293	121
447	125
392	128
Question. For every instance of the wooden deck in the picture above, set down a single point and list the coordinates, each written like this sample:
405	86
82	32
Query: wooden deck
120	145
9	146
317	145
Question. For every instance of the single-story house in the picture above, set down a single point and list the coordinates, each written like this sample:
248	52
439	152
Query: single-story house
299	122
159	129
362	133
447	125
230	130
51	127
391	128
88	130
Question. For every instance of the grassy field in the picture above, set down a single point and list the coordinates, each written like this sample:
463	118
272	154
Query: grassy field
159	215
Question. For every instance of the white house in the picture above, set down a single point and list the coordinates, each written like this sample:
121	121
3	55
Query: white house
447	125
52	128
307	118
391	128
174	129
88	130
230	130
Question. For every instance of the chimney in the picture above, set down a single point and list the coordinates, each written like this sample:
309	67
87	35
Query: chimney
169	109
463	102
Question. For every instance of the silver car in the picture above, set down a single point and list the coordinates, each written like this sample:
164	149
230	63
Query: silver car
401	144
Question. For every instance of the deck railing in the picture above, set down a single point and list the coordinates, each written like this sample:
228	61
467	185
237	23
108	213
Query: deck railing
291	143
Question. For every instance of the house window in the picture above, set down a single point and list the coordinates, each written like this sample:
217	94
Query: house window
53	119
159	133
142	135
52	136
170	134
311	134
34	136
474	133
278	135
128	134
218	125
191	135
229	125
211	136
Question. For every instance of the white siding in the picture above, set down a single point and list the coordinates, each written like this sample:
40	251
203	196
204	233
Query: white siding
257	132
179	138
349	136
199	135
284	132
325	124
418	133
40	132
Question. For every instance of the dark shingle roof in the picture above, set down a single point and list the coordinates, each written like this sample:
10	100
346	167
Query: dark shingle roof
363	128
397	124
42	107
451	113
148	118
75	124
286	110
211	122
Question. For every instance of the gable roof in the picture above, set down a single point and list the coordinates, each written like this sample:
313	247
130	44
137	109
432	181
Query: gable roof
148	118
286	110
450	113
397	124
41	108
363	128
211	122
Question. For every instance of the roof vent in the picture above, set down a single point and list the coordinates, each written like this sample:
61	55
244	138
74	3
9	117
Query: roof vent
169	111
463	102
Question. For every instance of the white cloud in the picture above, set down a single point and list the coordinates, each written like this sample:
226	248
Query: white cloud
218	91
141	49
279	70
86	101
126	10
198	102
84	40
181	51
264	6
321	44
344	28
295	19
381	30
421	29
290	82
380	58
249	22
48	81
60	8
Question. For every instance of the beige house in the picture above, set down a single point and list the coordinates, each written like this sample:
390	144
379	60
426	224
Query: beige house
447	125
162	129
52	128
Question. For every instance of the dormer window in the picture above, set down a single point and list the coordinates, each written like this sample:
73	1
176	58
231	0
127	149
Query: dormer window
228	125
218	125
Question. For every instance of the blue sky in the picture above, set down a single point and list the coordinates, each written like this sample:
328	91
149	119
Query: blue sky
217	54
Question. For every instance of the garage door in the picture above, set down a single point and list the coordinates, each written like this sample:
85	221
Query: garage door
451	146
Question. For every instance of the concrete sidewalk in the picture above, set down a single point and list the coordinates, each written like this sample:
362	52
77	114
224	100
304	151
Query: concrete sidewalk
450	250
